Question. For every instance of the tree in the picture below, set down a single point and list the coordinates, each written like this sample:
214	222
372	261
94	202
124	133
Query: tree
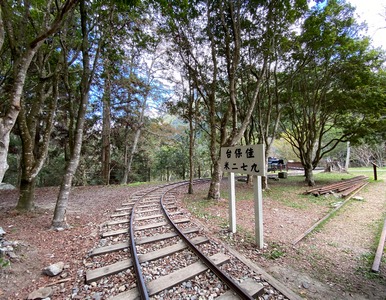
279	21
35	123
207	37
24	30
218	42
124	28
149	90
326	91
59	219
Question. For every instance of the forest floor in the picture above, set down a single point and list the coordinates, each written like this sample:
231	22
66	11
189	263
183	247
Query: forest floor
331	263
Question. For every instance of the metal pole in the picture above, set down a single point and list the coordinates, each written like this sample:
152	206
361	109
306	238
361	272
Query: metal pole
258	195
375	171
232	203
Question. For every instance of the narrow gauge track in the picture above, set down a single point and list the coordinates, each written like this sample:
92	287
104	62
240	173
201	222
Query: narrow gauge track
158	253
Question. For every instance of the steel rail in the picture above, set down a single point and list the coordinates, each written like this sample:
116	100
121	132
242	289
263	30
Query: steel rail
143	292
224	277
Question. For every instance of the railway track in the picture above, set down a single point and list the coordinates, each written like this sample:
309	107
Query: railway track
150	249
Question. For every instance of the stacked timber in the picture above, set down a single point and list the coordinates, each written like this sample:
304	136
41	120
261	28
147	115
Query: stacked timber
343	188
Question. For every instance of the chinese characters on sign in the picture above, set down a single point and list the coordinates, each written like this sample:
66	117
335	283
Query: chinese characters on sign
244	160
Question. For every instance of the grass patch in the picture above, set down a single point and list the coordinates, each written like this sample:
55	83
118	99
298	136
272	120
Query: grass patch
4	263
366	260
365	263
199	206
139	183
274	252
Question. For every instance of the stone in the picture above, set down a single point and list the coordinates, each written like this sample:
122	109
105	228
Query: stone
2	232
54	269
358	198
97	296
12	255
40	293
122	288
6	186
306	285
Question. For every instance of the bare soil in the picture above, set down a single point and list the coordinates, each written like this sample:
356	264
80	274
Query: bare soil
332	263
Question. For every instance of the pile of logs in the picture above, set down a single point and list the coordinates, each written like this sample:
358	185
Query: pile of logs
343	188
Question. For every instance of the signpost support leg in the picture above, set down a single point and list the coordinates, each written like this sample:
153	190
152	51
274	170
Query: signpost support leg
258	196
232	202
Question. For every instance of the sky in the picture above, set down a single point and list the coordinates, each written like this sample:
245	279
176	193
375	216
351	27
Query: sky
371	11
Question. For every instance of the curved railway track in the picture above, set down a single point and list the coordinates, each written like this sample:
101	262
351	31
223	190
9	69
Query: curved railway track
156	252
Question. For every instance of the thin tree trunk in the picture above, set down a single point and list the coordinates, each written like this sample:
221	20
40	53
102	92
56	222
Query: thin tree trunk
2	31
133	150
191	156
125	158
347	164
192	114
106	131
59	220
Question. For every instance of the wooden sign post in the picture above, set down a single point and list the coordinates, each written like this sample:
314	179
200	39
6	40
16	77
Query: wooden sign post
245	160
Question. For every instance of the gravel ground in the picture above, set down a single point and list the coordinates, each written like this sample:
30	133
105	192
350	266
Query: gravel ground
329	264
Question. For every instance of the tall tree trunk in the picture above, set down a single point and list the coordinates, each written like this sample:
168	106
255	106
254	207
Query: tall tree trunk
193	113
106	130
8	121
2	31
214	188
125	158
132	152
59	219
20	67
35	134
191	153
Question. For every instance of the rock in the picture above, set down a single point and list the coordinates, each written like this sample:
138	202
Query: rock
306	285
122	288
6	186
2	232
336	204
40	293
12	256
54	269
358	198
97	296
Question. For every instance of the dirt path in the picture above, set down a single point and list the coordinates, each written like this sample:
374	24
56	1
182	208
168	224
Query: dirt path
339	254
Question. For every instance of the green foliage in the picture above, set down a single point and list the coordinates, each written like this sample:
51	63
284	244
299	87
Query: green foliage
327	60
4	263
334	84
274	252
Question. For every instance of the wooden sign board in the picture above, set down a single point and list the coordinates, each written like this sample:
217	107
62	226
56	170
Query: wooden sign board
244	160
